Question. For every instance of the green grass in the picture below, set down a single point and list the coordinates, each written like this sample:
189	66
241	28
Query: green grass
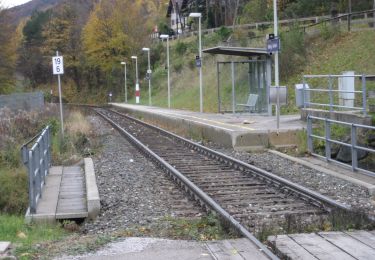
25	237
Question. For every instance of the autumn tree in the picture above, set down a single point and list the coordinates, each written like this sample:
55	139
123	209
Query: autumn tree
7	53
115	30
32	63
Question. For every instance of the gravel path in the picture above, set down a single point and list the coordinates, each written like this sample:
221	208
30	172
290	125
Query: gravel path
132	190
338	189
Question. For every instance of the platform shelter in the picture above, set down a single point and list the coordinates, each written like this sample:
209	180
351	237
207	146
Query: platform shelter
243	85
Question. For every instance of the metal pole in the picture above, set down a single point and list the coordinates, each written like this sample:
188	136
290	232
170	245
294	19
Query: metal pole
169	84
364	94
218	87
126	91
353	147
309	133
349	14
275	27
233	90
137	82
61	108
149	79
200	68
328	139
330	93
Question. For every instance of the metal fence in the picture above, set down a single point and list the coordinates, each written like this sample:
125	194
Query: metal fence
344	92
353	144
23	101
37	159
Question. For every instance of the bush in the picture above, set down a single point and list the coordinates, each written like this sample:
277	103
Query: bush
13	191
293	54
224	33
181	48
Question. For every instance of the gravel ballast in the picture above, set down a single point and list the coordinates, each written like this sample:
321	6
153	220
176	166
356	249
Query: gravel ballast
335	188
133	192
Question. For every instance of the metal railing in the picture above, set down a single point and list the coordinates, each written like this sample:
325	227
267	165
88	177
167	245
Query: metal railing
353	144
336	95
37	160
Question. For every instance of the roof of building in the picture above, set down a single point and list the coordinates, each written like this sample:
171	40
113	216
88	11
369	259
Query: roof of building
238	51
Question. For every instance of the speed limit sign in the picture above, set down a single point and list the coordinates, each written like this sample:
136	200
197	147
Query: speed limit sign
58	65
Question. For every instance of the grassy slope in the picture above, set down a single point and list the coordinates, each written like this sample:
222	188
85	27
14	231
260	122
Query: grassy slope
348	51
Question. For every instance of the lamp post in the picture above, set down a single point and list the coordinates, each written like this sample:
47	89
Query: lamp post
149	75
137	93
165	36
277	84
126	91
199	16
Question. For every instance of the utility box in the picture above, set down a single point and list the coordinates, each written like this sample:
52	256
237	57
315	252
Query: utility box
346	89
282	95
302	95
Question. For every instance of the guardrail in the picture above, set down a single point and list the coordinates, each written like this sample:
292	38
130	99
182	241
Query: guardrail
37	160
343	98
353	144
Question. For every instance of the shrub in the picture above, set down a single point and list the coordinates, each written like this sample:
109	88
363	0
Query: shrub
224	33
292	51
13	191
181	48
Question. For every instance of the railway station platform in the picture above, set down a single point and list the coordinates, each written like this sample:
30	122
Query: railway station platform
70	192
243	131
325	245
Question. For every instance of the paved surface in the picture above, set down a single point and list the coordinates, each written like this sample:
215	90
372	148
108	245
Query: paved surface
240	131
63	196
164	249
326	245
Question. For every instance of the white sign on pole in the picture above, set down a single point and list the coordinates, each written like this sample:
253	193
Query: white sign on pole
58	65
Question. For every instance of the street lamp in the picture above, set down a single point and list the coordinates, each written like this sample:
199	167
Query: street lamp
199	16
137	94
149	75
165	36
126	91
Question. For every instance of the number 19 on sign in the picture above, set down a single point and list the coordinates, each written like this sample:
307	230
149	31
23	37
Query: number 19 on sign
58	69
58	65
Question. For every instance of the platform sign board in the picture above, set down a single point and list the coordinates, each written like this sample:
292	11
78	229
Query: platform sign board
273	45
58	65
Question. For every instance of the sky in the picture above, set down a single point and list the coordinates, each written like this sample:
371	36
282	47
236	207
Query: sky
11	3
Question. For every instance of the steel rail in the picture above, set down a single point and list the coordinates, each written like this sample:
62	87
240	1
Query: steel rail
194	190
304	193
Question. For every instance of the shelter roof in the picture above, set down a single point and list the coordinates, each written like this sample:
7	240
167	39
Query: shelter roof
238	51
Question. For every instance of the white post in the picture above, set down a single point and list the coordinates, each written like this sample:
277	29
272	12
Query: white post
125	83
61	108
149	79
200	68
277	83
169	84
137	94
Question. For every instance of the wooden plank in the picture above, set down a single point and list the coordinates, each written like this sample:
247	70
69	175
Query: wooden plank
363	236
350	245
288	247
319	247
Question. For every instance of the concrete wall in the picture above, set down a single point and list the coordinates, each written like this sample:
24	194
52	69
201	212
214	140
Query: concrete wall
339	116
23	101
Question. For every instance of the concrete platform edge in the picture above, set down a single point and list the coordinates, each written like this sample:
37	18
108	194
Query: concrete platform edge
93	198
369	187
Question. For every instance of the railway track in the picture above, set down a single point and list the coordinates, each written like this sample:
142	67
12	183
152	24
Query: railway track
248	198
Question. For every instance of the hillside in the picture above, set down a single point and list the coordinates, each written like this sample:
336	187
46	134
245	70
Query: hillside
342	52
21	12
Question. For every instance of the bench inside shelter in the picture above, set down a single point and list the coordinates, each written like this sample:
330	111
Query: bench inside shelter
251	103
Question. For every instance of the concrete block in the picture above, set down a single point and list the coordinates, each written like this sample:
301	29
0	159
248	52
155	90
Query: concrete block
93	198
4	246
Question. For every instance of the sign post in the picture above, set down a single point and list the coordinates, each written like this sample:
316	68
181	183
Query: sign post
58	69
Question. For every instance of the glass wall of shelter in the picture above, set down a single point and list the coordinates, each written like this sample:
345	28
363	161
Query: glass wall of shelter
243	85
